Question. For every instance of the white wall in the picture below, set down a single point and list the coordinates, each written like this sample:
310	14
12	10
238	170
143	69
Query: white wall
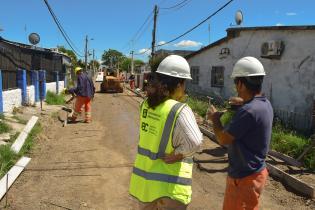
30	94
11	99
51	86
61	85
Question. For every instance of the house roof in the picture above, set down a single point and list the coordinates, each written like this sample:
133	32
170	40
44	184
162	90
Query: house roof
231	34
31	47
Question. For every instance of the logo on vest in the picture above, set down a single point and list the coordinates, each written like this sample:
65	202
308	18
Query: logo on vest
144	113
144	126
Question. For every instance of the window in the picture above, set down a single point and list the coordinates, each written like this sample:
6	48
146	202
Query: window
217	76
195	75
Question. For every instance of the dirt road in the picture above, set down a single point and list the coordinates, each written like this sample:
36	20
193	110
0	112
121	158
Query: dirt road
88	166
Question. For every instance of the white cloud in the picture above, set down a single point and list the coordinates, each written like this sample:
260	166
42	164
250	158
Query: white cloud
279	24
291	13
161	42
188	43
145	51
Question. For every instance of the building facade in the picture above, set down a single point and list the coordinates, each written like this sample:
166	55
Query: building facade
288	56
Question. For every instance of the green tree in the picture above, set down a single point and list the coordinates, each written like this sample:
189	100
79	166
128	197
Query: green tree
95	63
111	57
69	53
126	64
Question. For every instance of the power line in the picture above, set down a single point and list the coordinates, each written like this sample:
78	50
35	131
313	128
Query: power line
176	5
193	28
196	26
61	29
134	37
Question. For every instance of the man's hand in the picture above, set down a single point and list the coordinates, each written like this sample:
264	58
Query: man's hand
172	158
236	101
213	113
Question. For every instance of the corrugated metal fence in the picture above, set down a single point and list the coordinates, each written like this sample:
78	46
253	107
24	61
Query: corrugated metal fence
299	121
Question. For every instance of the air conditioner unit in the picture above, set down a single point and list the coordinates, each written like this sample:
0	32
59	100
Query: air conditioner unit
272	49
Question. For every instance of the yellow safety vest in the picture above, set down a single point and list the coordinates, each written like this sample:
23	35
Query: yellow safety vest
152	178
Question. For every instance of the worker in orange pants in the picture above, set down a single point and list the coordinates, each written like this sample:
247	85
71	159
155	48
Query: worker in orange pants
84	92
79	103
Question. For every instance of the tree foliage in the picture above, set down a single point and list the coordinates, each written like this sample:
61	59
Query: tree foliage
69	53
95	63
111	57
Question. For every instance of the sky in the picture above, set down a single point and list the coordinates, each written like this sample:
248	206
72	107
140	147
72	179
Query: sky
114	23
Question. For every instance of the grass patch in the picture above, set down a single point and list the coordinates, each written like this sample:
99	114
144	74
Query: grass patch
8	158
4	127
55	99
290	143
198	106
19	120
29	142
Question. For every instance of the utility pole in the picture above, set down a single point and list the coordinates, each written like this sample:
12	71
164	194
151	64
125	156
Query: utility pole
93	61
209	33
132	61
86	52
154	30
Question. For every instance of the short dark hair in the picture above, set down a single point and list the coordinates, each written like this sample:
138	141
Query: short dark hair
160	88
254	84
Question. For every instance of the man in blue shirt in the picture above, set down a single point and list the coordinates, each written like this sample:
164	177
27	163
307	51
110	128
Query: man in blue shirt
248	136
84	92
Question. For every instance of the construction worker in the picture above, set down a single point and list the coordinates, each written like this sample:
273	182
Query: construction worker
248	136
169	136
84	92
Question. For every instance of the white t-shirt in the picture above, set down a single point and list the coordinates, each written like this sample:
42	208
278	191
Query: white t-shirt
187	137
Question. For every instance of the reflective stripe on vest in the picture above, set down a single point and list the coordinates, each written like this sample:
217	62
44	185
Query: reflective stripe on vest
162	177
155	156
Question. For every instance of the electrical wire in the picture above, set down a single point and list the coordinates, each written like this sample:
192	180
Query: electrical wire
136	36
61	29
193	28
196	26
176	5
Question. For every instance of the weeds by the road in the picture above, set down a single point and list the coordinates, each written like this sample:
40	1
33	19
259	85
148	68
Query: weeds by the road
8	157
198	106
292	144
4	128
55	99
19	120
30	139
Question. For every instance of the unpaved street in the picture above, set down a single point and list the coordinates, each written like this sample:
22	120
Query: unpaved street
87	166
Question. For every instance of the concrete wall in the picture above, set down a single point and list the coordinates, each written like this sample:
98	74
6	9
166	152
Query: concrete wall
51	86
289	84
30	95
11	99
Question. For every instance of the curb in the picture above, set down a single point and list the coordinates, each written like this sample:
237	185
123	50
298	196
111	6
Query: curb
9	178
17	145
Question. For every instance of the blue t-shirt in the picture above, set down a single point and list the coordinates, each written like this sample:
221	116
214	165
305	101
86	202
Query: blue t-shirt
251	127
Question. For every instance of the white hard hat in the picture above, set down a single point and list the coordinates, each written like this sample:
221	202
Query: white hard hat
248	67
175	66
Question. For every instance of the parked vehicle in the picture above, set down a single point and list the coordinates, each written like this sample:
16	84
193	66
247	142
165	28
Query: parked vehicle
99	77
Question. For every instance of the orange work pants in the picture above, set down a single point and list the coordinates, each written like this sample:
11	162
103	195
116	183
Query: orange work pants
79	103
244	193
